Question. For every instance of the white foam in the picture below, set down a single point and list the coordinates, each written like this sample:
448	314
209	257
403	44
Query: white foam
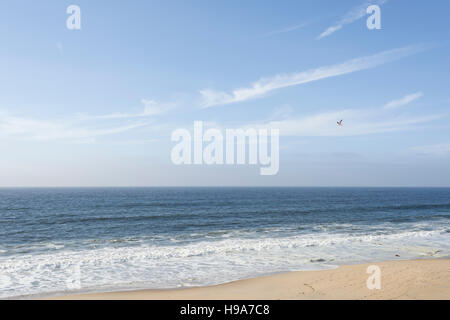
206	262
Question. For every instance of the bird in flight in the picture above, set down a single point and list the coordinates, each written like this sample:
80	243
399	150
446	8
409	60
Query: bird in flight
339	123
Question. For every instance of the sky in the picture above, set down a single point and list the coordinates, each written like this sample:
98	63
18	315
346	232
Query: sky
97	106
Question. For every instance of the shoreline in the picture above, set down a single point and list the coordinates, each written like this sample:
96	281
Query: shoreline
401	279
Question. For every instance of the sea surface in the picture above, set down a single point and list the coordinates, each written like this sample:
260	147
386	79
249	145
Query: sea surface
63	240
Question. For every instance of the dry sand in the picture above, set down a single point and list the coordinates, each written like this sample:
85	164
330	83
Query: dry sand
413	279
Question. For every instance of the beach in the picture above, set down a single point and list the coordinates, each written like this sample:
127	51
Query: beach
88	240
409	280
298	150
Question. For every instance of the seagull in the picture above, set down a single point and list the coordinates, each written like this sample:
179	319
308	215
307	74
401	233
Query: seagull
339	123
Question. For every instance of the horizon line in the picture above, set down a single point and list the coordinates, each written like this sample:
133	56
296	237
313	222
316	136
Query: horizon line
249	186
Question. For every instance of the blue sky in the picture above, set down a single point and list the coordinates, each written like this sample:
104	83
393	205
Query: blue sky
96	106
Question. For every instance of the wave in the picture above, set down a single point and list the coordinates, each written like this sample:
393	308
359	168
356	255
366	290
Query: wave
207	262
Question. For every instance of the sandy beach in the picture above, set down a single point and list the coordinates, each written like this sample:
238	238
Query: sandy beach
412	279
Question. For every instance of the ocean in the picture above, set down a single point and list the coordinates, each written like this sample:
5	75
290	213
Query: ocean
56	241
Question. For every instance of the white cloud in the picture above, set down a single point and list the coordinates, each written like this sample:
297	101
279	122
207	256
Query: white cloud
82	128
151	108
403	101
288	29
433	150
259	88
355	122
329	31
282	112
44	130
353	15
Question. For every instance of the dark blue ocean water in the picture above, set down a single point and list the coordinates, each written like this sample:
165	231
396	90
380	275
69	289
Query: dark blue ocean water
88	239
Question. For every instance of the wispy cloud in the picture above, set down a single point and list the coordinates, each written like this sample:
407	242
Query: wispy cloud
151	108
63	129
433	150
84	128
353	15
403	101
287	29
282	112
259	88
356	122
